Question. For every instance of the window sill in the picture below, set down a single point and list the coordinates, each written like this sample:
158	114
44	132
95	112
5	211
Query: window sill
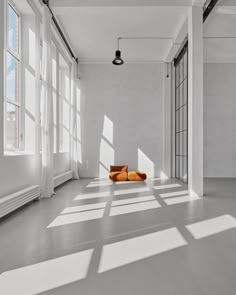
17	153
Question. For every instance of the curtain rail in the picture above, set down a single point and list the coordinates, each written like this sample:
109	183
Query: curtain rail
46	2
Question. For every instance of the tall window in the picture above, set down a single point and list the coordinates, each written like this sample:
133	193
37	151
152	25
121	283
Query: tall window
64	104
181	116
12	92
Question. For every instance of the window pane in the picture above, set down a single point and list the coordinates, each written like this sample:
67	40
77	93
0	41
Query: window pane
54	86
181	95
185	64
54	122
181	124
177	167
12	79
12	126
177	98
64	104
185	91
177	76
13	29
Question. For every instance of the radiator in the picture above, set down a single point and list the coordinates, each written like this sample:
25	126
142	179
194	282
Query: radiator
16	200
60	179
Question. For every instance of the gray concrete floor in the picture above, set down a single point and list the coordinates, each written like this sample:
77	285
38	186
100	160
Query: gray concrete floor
132	238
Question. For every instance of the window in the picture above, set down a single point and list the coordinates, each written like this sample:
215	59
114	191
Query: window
54	89
12	91
64	104
181	116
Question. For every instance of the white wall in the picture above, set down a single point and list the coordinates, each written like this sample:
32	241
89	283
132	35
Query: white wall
18	171
121	117
220	120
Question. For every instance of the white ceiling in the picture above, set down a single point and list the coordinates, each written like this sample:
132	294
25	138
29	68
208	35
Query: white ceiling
221	28
93	30
92	27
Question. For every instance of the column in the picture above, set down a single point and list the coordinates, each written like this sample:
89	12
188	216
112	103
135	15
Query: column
195	101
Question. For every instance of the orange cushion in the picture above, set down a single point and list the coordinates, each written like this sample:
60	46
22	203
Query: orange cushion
118	176
137	175
123	168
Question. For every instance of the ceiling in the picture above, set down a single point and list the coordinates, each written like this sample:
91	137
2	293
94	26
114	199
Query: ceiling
220	33
93	26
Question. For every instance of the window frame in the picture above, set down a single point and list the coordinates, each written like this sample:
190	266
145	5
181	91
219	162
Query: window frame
17	57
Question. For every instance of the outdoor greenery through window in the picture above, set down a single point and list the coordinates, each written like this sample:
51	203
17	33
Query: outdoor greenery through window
12	97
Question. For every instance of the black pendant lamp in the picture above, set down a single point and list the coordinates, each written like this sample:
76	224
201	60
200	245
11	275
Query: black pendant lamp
118	61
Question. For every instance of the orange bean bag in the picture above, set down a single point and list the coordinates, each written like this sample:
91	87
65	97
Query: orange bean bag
137	176
118	176
123	168
119	173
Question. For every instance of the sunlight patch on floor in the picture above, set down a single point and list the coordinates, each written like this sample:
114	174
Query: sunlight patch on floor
131	208
76	217
47	275
173	194
131	250
167	186
80	208
181	199
131	191
133	200
211	226
92	196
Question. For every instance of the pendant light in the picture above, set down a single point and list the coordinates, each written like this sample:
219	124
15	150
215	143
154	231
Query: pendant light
118	61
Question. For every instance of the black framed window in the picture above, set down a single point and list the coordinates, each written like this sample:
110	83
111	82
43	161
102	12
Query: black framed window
181	116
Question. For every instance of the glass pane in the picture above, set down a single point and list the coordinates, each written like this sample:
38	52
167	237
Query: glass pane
177	76
181	70
177	144
177	121
184	170
181	119
181	95
181	167
177	98
185	118
185	143
181	102
54	122
64	97
12	79
185	64
13	29
185	91
54	67
177	167
11	126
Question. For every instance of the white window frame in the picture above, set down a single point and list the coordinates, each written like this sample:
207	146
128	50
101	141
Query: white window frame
16	56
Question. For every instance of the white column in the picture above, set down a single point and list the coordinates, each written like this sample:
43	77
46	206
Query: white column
195	101
2	27
166	167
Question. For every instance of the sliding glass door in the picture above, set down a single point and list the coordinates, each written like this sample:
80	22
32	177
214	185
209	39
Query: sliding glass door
181	116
